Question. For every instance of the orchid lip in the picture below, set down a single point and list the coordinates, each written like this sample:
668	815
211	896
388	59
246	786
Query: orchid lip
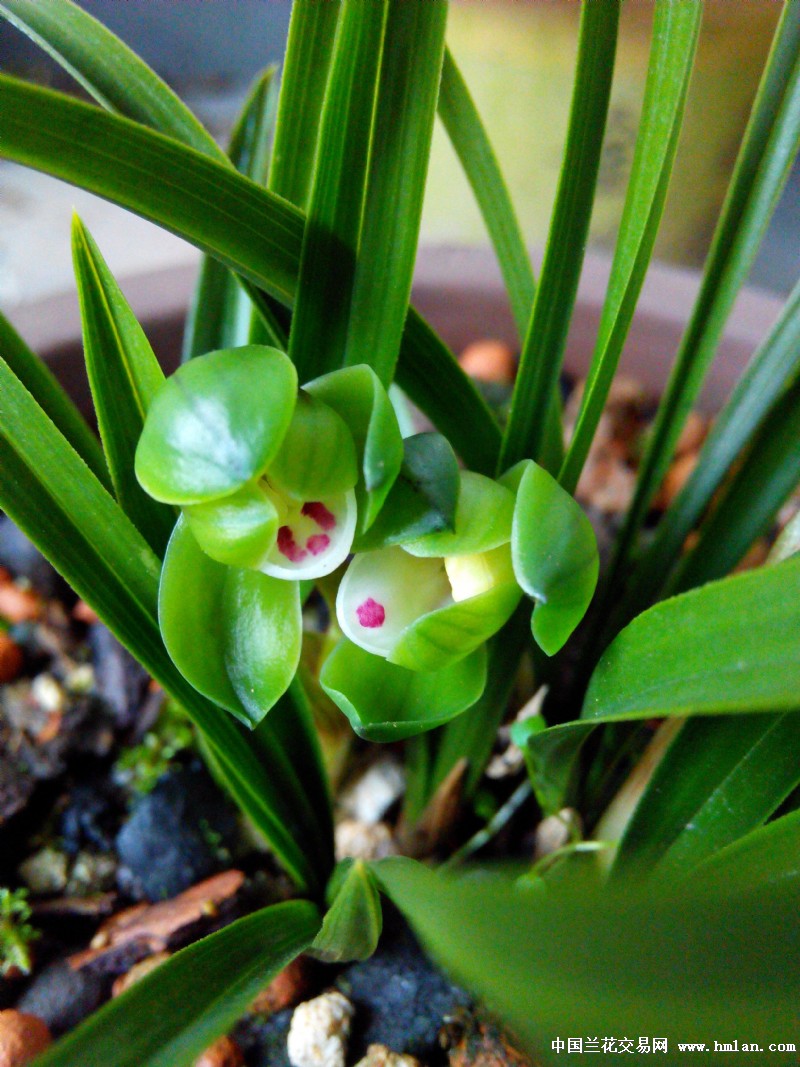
314	536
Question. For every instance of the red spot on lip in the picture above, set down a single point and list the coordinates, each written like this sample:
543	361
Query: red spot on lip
371	614
288	547
317	511
317	543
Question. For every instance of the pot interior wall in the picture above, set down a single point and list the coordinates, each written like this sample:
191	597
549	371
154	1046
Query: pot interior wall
460	292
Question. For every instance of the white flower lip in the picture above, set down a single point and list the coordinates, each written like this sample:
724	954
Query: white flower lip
384	592
314	536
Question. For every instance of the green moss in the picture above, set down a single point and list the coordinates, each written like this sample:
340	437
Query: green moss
16	933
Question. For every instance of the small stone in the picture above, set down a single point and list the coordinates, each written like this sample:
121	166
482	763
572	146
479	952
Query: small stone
91	873
83	613
64	997
381	1056
20	605
556	831
22	1038
607	483
223	1053
45	872
692	435
287	988
48	694
477	1042
362	841
175	835
375	791
137	972
319	1031
489	361
23	558
11	658
675	479
120	680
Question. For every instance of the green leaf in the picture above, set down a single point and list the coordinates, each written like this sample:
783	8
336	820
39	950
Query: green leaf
190	194
660	664
74	522
124	376
476	155
771	370
215	424
763	861
555	556
768	475
385	702
401	138
352	925
674	42
769	146
109	71
719	779
234	634
222	315
357	395
330	243
536	389
579	958
317	456
424	497
483	519
169	1017
42	384
305	74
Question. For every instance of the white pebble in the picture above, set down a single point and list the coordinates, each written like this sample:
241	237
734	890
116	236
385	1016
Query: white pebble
370	796
319	1032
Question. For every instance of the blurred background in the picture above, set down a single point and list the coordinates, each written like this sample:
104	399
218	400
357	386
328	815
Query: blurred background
518	58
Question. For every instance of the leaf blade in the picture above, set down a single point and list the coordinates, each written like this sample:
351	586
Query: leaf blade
192	998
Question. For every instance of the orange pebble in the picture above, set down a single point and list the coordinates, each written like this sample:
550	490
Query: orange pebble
22	1038
10	658
20	605
138	971
83	613
675	479
223	1053
489	361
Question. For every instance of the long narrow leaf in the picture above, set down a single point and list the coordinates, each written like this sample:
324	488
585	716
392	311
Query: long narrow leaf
768	475
404	116
770	145
222	314
56	501
171	1016
305	74
40	381
675	33
719	779
472	146
581	958
536	389
764	860
109	71
124	376
770	371
330	243
249	229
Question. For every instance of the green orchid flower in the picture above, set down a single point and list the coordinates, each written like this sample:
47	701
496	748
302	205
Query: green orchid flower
268	479
427	605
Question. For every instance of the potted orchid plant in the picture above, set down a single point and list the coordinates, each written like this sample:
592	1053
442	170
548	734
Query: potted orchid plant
275	469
